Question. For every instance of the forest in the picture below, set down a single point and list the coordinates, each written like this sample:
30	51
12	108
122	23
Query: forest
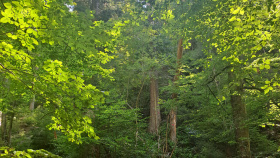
140	79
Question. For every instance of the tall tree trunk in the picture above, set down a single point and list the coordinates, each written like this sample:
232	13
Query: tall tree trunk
173	111
154	107
239	117
3	127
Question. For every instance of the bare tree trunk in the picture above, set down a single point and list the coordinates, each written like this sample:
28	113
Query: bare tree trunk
239	117
173	119
154	107
173	112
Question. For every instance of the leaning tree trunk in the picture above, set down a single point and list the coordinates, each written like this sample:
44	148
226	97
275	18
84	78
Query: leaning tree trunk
173	111
154	107
239	117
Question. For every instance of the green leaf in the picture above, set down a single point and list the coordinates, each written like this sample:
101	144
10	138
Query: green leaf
232	18
241	12
235	11
29	30
267	62
35	41
267	67
8	5
266	90
4	20
11	36
255	69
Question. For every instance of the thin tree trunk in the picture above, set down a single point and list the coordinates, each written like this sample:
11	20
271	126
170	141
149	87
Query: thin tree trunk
32	103
173	119
4	117
173	111
154	107
10	129
239	116
3	127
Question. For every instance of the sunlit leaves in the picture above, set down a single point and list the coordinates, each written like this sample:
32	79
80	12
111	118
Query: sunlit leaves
238	10
40	51
168	15
11	152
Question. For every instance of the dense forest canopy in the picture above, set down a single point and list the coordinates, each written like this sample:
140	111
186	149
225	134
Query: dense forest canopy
131	78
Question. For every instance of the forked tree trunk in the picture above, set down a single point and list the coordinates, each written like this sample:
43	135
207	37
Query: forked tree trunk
154	107
173	111
239	117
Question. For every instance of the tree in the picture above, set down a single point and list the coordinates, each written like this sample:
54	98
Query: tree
237	40
155	118
221	99
239	116
173	111
33	43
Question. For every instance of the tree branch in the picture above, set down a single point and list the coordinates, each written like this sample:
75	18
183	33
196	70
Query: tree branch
213	77
7	69
216	97
254	88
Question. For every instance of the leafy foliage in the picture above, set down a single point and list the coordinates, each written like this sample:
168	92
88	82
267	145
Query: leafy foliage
33	56
10	152
91	77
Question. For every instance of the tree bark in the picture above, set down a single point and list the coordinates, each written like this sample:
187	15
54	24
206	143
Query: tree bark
154	107
10	129
239	117
173	119
173	111
3	127
32	103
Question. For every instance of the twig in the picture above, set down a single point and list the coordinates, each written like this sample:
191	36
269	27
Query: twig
45	115
129	106
216	98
